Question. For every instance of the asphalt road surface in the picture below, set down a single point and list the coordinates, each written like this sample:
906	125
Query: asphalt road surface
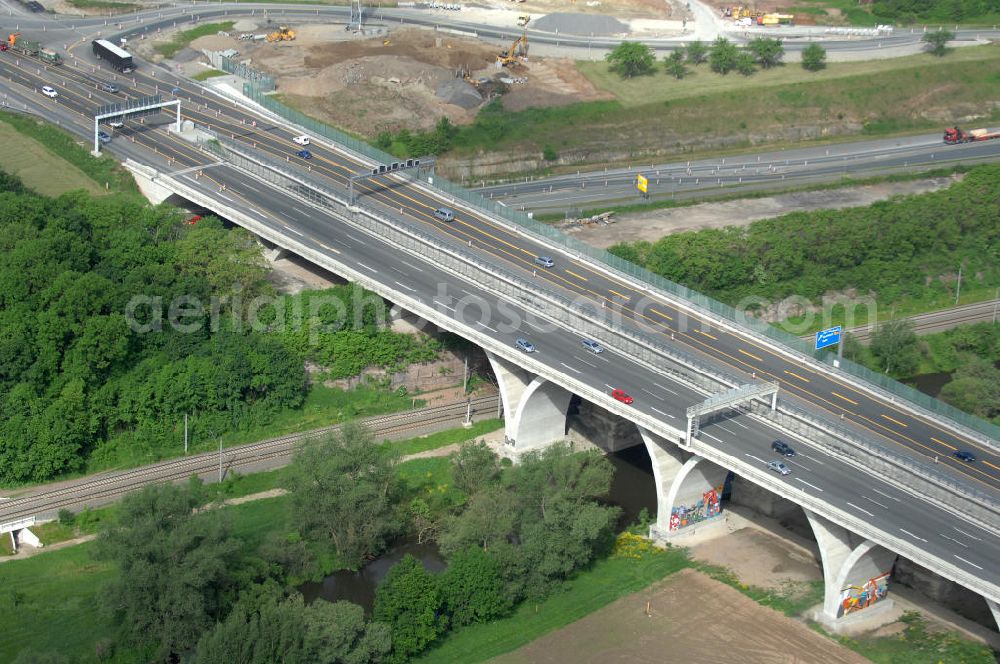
928	526
766	170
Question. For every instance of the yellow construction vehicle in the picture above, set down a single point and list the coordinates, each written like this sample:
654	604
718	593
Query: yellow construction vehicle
523	20
518	51
281	34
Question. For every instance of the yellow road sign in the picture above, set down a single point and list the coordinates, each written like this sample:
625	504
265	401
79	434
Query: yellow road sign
641	183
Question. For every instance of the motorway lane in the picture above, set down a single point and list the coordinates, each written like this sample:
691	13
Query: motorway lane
880	504
757	171
517	251
653	395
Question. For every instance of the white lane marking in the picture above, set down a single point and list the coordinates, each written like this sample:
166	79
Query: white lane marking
446	306
796	463
468	293
569	367
757	458
411	265
662	413
726	430
367	267
354	237
861	509
665	388
584	361
479	322
292	230
404	286
608	386
218	195
811	458
967	534
872	500
966	561
799	479
961	544
300	210
903	530
882	493
711	436
739	424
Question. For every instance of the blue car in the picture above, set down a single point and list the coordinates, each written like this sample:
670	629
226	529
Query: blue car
305	154
965	455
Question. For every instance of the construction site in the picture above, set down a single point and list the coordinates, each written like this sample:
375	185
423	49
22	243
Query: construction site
391	80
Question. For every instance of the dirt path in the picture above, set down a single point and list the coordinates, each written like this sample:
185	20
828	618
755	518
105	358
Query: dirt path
693	619
653	225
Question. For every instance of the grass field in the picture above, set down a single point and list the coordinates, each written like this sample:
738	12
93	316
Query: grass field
104	171
707	113
39	168
185	37
207	74
868	80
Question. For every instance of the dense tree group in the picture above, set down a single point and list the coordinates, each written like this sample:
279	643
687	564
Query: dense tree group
908	11
104	349
897	248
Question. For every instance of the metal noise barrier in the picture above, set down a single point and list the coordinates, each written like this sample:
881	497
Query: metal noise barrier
989	432
676	363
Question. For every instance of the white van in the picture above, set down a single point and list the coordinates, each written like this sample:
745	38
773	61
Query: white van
49	92
444	214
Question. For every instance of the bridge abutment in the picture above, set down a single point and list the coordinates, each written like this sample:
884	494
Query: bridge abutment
144	179
535	409
856	575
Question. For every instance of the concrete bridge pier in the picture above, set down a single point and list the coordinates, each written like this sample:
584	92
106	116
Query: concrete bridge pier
688	489
856	575
535	409
995	610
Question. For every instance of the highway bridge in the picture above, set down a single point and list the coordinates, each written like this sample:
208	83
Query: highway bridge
875	472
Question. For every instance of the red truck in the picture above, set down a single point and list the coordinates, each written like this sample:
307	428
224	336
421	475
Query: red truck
956	135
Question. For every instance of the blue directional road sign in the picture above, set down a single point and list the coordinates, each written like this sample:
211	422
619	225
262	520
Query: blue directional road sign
828	337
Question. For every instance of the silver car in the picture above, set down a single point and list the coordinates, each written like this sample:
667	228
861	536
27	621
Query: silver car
779	467
525	345
592	346
544	261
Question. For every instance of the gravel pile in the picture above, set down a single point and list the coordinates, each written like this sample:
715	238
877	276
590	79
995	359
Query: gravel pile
458	92
569	23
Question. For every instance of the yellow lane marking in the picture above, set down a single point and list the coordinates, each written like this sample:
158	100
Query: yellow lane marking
991	465
792	373
941	442
578	276
660	313
328	247
841	396
383	193
893	420
624	297
707	334
750	355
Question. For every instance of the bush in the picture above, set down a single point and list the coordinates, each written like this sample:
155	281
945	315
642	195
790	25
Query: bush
66	517
473	588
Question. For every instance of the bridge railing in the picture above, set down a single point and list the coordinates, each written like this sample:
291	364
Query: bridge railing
853	522
594	322
986	432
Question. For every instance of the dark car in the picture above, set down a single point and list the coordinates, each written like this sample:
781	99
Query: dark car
782	448
305	154
110	87
36	7
103	137
965	455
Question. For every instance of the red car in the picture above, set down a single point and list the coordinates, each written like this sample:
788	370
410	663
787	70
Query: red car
194	220
620	395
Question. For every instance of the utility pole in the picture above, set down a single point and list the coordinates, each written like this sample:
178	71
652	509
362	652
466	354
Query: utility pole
958	289
185	434
465	377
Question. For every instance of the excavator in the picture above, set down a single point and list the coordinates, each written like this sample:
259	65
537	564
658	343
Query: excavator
281	34
11	40
518	51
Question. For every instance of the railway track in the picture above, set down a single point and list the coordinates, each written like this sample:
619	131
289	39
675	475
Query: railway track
104	488
935	321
